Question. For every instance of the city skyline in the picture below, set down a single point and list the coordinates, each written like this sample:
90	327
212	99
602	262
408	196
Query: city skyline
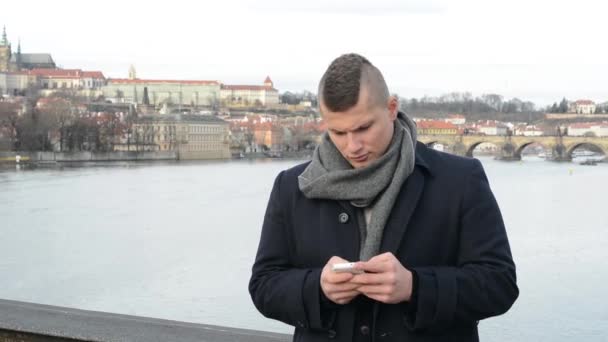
539	51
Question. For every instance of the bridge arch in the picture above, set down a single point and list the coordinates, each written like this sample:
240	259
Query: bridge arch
522	147
474	145
432	143
570	149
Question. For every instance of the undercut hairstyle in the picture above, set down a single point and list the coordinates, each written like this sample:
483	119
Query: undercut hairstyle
340	86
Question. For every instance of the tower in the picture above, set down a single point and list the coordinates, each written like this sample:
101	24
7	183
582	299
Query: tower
268	82
132	73
17	65
4	41
5	52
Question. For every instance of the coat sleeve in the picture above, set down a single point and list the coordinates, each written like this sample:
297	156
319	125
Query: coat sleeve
278	289
483	283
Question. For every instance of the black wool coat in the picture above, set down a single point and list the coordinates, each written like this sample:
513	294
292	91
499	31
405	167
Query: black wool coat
445	226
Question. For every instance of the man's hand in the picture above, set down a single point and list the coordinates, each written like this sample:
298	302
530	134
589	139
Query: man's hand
385	280
337	286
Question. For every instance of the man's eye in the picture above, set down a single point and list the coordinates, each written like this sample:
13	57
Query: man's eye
339	133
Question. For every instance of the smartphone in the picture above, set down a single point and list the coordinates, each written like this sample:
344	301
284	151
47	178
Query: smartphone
346	267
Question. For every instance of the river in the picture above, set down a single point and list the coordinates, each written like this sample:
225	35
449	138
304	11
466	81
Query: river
176	241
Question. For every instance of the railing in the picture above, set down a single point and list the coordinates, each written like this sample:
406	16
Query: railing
28	322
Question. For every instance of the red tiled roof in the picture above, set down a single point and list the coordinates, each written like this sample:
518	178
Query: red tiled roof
65	73
267	80
140	81
584	102
432	124
56	72
456	116
93	74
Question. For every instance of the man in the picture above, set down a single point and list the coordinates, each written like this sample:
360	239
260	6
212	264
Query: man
422	225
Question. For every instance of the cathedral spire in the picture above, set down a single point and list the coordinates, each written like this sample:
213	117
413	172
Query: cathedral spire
4	41
19	46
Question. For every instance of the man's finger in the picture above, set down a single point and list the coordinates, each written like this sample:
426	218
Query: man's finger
335	288
335	260
382	257
373	290
374	266
369	279
337	278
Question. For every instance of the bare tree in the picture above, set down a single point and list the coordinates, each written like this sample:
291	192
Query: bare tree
61	114
493	100
9	115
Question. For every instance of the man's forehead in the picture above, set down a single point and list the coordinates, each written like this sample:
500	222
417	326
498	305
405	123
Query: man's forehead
347	121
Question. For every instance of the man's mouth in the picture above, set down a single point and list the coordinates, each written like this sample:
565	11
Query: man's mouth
360	159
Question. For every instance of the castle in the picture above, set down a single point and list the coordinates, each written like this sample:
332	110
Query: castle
16	61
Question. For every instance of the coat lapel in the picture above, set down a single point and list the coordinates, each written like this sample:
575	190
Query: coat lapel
339	238
402	212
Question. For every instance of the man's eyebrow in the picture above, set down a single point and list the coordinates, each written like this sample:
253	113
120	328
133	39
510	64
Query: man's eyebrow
363	125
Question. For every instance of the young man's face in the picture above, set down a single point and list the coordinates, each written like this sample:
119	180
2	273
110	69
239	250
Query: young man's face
362	133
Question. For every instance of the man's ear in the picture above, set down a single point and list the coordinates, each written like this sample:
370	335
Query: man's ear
393	107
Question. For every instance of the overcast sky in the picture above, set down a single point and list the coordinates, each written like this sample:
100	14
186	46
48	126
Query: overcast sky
532	49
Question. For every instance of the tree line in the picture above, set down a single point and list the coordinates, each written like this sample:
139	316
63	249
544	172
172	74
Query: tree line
59	123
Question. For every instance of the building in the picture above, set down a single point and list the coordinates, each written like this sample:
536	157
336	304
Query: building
16	83
456	119
193	136
5	52
436	127
68	79
601	129
269	136
159	92
528	131
582	107
588	129
250	95
492	128
27	61
16	61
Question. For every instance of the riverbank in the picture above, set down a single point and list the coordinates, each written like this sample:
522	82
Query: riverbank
39	158
85	156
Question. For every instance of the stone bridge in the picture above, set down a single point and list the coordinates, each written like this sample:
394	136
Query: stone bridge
560	148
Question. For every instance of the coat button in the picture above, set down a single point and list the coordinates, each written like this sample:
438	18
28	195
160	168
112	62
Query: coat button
364	330
343	217
331	333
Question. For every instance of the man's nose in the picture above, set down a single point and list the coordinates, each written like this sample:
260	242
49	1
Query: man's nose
354	143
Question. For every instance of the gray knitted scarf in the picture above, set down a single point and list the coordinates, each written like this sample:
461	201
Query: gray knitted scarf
330	176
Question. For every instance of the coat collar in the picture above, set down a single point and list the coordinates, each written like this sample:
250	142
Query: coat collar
406	203
421	158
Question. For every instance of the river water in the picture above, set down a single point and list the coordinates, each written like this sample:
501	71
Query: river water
176	241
